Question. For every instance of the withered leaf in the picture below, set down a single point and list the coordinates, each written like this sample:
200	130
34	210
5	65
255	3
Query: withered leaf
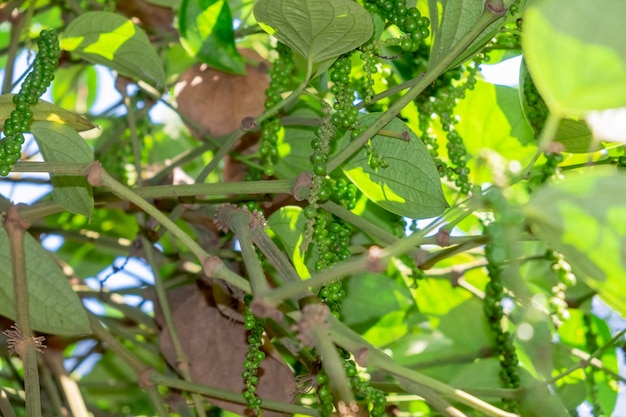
218	101
216	347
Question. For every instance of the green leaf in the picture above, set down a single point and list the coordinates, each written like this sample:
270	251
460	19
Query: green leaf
46	111
316	29
288	225
576	54
114	41
582	217
75	87
457	20
206	29
410	185
573	134
294	155
53	306
491	116
60	143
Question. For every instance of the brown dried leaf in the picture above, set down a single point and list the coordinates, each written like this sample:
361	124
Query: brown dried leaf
218	101
147	14
216	347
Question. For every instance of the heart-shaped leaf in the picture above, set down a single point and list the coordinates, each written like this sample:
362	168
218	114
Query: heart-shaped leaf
114	41
61	143
409	186
316	29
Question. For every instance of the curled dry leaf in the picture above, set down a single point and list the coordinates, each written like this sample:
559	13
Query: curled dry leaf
217	101
216	346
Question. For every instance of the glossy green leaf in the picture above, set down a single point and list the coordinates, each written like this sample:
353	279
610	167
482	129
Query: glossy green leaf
371	297
316	29
114	41
582	217
576	54
410	185
288	225
60	143
206	29
53	306
458	17
492	119
294	152
44	111
75	87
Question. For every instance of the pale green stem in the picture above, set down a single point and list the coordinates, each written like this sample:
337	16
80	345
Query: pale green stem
213	267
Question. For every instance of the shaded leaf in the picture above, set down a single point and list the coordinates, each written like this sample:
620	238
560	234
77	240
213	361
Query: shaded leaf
60	143
75	87
288	224
114	41
316	29
206	28
457	20
410	185
576	54
582	218
53	306
44	111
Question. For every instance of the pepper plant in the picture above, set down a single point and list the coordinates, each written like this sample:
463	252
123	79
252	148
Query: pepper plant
312	207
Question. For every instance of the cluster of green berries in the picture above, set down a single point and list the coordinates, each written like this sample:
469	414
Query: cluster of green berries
591	343
35	84
324	396
565	279
280	75
535	108
370	59
363	392
408	19
553	159
495	253
440	99
254	357
345	115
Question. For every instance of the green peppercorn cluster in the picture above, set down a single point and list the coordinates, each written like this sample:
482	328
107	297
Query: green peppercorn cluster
550	168
345	113
409	20
35	84
363	392
440	99
535	108
370	59
591	342
566	279
280	75
254	357
332	236
323	395
495	253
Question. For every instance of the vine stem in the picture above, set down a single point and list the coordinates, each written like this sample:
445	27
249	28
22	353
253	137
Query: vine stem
487	17
212	266
368	355
24	343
